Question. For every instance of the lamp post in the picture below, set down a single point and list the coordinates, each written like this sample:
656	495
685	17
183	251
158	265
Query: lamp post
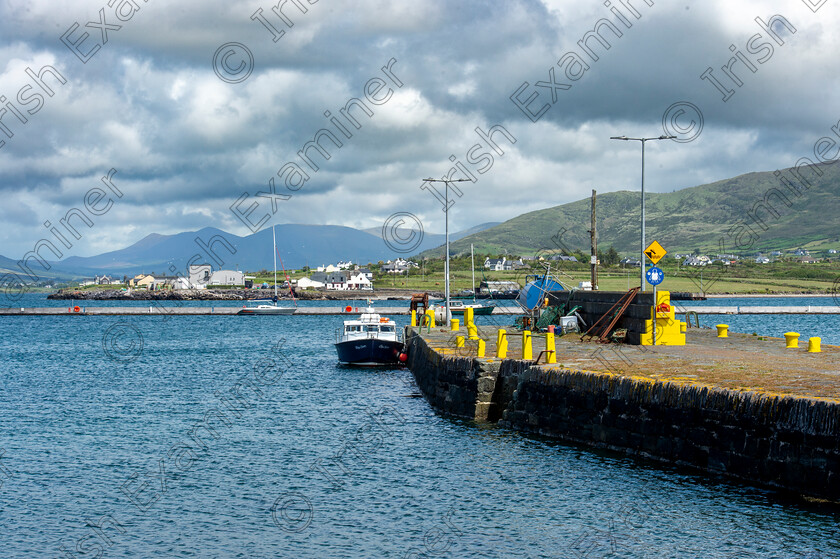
446	266
642	250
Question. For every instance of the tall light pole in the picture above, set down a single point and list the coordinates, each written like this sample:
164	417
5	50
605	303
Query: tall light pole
642	250
446	266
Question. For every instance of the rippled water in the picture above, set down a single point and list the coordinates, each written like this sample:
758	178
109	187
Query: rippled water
78	423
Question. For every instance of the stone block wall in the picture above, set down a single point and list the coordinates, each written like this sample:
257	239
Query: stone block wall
790	443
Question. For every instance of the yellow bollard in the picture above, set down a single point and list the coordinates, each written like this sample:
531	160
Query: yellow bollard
791	340
481	347
459	341
431	314
722	329
814	345
527	352
468	315
414	317
549	347
455	325
501	344
472	330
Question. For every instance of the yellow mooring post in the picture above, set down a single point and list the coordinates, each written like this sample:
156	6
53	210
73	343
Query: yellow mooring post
722	329
551	356
472	330
468	315
459	341
431	314
481	347
791	340
814	345
414	317
527	352
455	325
501	344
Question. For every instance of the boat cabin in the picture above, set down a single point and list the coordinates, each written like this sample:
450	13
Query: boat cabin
370	325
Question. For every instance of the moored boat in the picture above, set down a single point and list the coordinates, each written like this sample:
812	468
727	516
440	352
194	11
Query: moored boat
370	339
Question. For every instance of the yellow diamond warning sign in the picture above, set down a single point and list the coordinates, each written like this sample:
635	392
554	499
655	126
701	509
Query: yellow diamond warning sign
655	252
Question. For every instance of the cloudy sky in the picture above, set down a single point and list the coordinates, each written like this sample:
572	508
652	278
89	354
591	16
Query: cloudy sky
190	125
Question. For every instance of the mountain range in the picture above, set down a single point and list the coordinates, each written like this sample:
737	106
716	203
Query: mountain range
297	245
749	213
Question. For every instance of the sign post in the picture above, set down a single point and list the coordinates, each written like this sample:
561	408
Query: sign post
655	275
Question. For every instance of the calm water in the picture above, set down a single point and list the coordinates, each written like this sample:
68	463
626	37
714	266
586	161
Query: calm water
78	423
824	326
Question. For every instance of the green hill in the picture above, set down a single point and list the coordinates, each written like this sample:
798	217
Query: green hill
745	214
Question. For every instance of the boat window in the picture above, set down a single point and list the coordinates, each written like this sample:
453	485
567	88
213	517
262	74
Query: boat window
371	328
387	328
351	328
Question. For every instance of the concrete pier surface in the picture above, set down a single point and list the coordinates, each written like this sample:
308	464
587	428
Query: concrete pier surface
739	362
745	406
170	309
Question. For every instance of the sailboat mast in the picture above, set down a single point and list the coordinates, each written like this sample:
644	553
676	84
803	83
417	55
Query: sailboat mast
274	241
472	265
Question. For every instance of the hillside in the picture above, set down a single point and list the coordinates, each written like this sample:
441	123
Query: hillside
298	246
705	217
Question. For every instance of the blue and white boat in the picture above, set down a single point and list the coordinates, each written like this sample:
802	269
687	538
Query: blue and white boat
370	339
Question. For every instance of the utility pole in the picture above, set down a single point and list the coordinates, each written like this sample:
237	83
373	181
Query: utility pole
593	242
448	314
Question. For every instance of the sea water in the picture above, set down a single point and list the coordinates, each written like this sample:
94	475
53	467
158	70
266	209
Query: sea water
97	457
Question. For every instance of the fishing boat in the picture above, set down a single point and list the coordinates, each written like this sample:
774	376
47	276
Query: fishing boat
370	339
269	306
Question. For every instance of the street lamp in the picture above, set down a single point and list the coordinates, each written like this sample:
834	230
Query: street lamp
642	140
446	267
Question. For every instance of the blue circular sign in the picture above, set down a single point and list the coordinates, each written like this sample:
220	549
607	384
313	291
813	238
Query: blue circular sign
655	275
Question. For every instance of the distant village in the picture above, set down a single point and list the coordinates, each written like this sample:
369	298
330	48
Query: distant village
344	276
347	276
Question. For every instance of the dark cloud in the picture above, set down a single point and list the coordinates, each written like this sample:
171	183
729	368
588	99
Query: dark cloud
187	144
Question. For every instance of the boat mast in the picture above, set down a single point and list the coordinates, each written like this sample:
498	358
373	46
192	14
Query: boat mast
472	265
274	241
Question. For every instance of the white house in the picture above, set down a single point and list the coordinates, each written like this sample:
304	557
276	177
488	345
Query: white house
495	264
358	280
336	281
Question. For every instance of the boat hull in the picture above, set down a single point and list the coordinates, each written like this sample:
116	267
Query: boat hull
278	310
369	351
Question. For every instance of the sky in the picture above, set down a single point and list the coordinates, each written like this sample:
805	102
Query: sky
191	109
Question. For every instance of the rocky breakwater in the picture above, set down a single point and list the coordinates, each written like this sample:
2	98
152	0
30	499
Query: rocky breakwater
220	295
160	295
780	441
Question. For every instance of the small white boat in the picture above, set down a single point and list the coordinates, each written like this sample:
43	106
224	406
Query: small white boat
266	308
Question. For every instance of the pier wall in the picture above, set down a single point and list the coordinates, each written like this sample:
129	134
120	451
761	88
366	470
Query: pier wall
783	442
